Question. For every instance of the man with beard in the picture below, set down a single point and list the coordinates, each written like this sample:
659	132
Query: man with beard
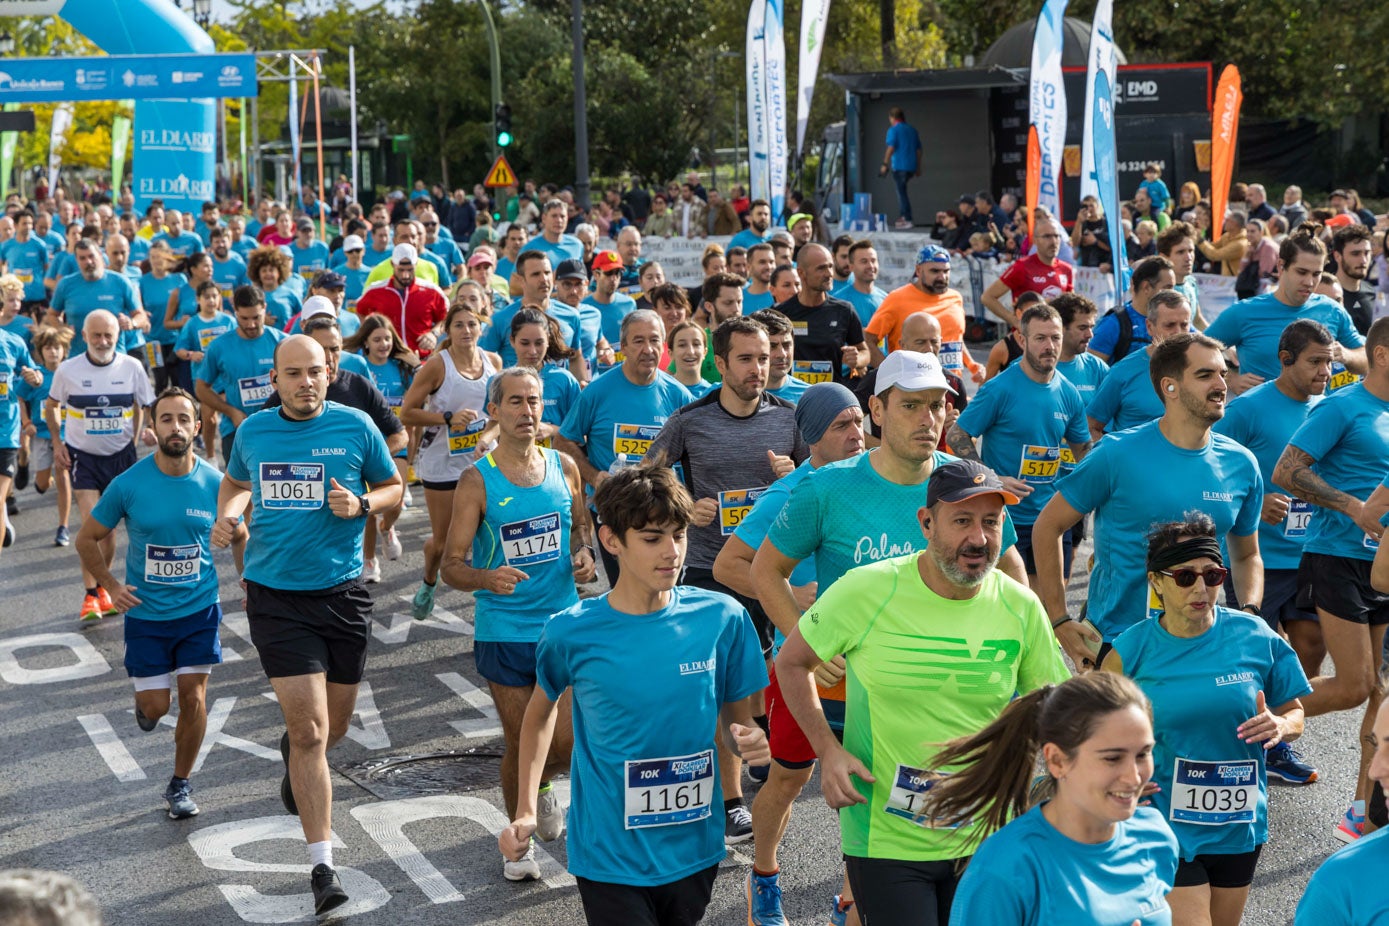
1190	469
311	468
757	295
860	290
940	630
168	501
928	291
759	222
710	439
228	267
1125	399
1024	416
1353	247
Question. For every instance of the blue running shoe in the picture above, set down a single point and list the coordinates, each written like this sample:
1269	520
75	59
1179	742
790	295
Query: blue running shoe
1351	827
423	605
179	796
759	773
764	901
1284	763
839	911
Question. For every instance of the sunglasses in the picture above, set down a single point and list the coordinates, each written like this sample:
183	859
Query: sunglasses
609	273
431	224
1185	578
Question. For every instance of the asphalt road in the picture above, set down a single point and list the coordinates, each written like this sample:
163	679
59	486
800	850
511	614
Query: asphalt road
81	785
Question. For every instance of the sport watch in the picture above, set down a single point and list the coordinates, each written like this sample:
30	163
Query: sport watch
366	506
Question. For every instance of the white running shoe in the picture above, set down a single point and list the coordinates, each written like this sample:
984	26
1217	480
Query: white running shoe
549	816
527	869
393	546
371	571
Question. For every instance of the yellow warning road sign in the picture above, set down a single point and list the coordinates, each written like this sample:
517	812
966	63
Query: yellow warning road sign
501	173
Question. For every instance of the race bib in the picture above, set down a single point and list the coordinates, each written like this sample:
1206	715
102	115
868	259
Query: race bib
1067	457
1215	793
800	329
1370	543
1299	516
1039	465
618	358
634	440
734	505
1340	377
25	276
181	565
254	390
226	293
544	442
664	792
4	385
533	541
952	356
463	438
909	787
292	485
154	355
813	371
208	335
99	422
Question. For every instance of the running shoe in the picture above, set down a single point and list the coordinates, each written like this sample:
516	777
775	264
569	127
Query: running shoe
145	723
738	826
11	506
327	889
91	609
1284	763
764	900
524	869
9	535
411	479
21	477
549	815
393	545
406	499
1351	827
287	789
759	773
423	605
839	911
103	600
180	799
371	571
62	538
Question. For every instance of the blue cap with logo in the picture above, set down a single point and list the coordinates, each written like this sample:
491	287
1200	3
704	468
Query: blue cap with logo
932	254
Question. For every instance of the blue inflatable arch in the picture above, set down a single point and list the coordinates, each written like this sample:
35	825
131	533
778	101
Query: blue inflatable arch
175	140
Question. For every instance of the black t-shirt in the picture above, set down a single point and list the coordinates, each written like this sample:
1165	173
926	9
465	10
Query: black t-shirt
822	332
356	391
1361	306
1092	255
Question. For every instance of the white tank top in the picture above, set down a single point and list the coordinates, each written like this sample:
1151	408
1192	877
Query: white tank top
447	452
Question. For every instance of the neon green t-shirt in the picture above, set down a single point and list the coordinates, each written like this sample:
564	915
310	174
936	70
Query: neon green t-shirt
922	670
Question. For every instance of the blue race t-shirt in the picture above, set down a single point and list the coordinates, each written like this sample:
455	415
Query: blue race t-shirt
1264	419
1024	425
1118	481
356	283
76	297
199	333
647	691
390	380
1347	433
1255	325
756	302
526	528
154	295
183	243
905	143
568	248
228	275
34	396
1030	874
497	335
612	313
1106	336
865	304
1349	889
1126	398
614	415
1214	786
282	303
560	393
62	265
168	523
14	357
309	262
1085	371
240	369
791	390
845	515
290	466
27	260
746	239
354	363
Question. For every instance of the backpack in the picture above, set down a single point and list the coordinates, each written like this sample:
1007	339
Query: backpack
1124	344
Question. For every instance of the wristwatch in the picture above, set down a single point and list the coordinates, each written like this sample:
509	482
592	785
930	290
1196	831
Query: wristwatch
448	419
1060	620
366	506
1253	609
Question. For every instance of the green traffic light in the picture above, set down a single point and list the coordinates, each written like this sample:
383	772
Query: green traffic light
503	139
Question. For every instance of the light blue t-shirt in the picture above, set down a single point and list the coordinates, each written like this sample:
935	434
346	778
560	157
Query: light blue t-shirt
865	304
228	275
647	691
1264	419
390	380
447	251
76	297
497	336
1084	371
756	302
1118	480
568	248
844	515
310	261
22	327
1255	325
168	523
204	231
1106	336
140	249
1024	425
590	331
1347	433
154	294
354	363
746	239
753	529
240	369
1214	786
614	415
27	260
63	264
560	393
14	357
1126	397
612	314
905	143
182	244
791	390
356	283
34	397
290	466
199	333
1030	874
526	528
282	303
1349	889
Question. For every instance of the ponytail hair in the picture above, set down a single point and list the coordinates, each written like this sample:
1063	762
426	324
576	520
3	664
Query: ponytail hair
995	779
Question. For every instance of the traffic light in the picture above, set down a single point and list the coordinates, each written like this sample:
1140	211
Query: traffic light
502	125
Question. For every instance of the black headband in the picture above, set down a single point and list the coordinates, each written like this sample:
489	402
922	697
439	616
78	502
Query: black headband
1183	551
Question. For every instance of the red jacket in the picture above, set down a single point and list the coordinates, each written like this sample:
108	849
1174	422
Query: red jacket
413	313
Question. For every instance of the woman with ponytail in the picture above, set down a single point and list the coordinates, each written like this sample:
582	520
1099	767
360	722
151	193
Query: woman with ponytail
1081	849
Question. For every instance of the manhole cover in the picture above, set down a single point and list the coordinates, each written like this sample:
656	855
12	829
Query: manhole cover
391	777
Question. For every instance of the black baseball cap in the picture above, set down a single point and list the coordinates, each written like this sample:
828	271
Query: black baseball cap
571	269
961	479
329	279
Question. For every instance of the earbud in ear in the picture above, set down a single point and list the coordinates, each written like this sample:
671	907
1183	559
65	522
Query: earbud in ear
1171	388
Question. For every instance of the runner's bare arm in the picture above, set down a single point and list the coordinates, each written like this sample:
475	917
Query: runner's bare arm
1247	567
1294	473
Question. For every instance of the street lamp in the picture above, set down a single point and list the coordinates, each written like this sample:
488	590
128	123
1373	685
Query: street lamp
6	43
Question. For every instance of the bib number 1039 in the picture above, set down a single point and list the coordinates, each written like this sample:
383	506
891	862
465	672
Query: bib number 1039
1215	793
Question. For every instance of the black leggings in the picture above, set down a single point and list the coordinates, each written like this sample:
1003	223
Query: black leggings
888	892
